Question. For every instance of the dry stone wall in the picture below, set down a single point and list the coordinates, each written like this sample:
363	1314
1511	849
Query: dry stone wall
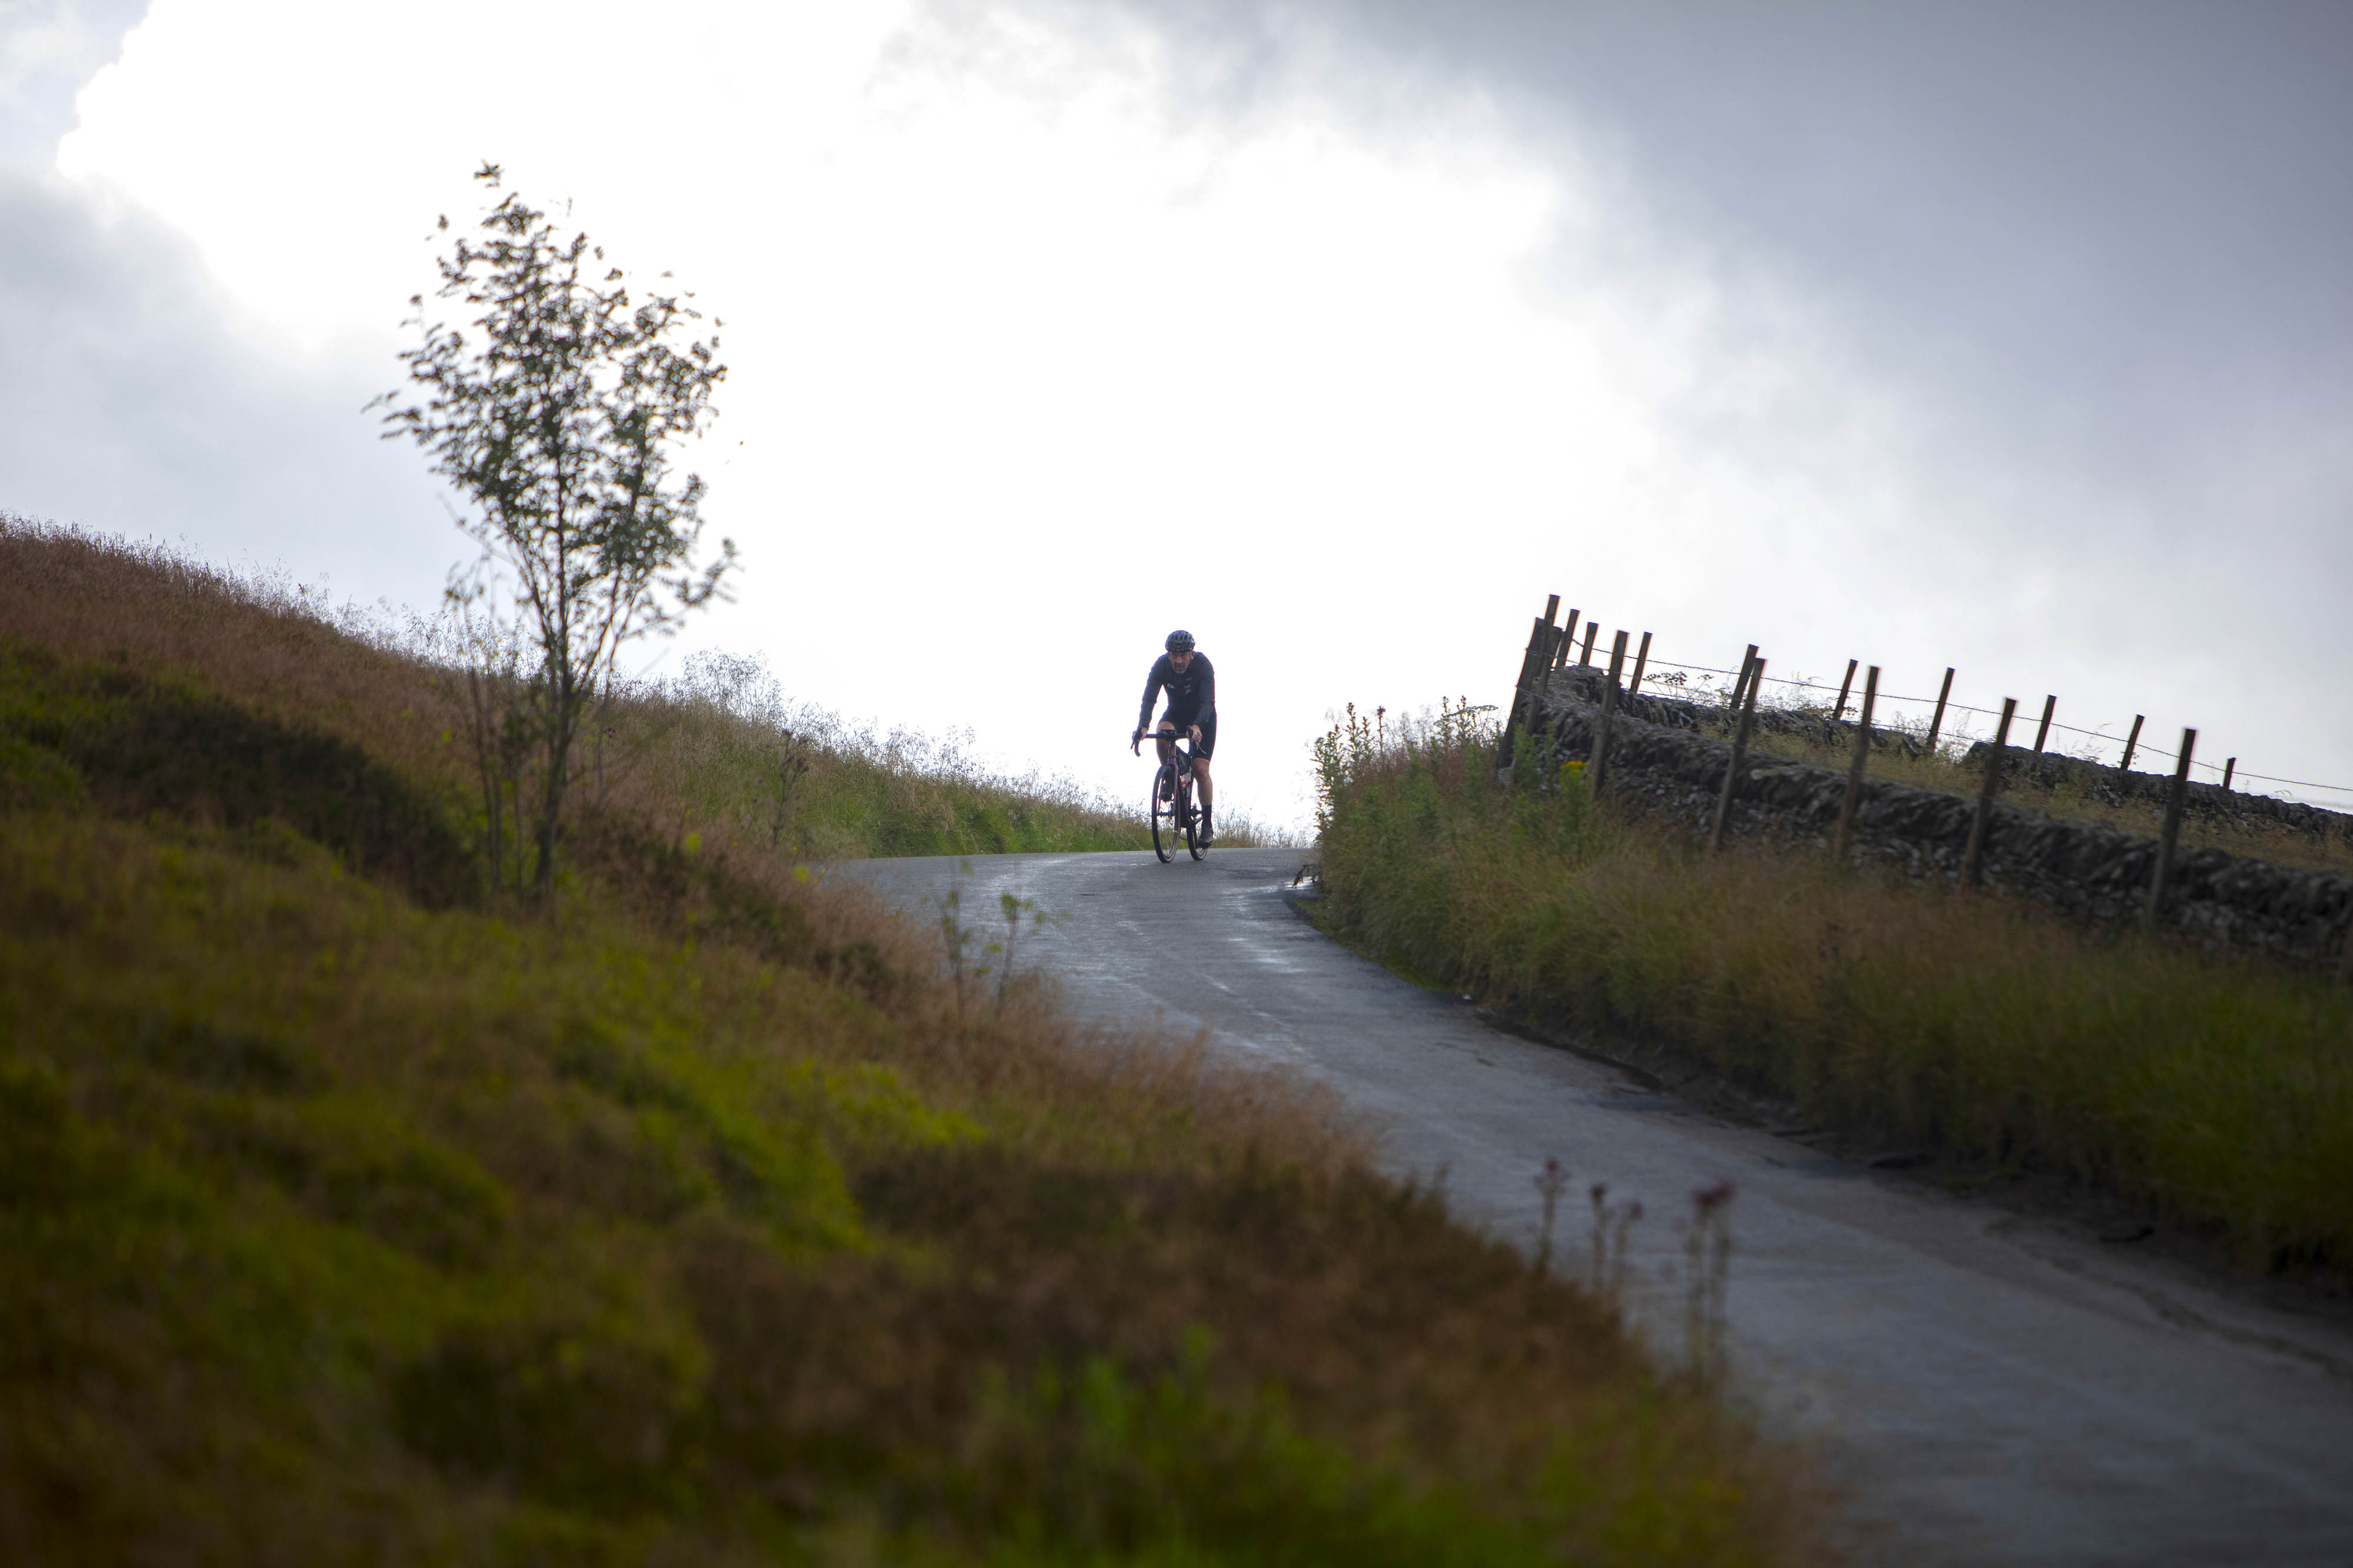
1667	758
2202	801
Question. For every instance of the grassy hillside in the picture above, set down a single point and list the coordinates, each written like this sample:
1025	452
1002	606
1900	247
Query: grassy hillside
347	1216
2218	1089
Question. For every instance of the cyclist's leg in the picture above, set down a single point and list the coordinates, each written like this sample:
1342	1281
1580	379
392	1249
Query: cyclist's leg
1166	740
1201	750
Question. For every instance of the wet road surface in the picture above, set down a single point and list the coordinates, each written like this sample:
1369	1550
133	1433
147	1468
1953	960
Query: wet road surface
1991	1388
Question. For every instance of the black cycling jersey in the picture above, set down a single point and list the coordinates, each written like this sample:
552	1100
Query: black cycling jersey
1192	696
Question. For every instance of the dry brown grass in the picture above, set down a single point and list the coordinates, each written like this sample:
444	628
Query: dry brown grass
680	754
267	645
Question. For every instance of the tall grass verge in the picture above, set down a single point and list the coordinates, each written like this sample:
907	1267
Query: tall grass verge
2219	1091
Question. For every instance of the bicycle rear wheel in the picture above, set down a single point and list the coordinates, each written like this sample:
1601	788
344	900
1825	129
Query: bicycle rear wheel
1164	812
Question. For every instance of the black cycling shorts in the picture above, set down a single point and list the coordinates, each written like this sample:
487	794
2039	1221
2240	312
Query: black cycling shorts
1208	740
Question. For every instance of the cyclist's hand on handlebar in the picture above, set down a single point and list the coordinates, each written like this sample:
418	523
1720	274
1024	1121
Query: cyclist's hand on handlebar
1135	743
1197	735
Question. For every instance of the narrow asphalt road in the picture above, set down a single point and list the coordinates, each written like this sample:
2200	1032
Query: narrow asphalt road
1990	1388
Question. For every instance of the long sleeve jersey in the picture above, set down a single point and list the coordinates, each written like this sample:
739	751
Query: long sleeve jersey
1192	696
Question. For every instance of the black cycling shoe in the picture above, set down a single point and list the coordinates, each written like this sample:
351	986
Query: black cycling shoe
1206	832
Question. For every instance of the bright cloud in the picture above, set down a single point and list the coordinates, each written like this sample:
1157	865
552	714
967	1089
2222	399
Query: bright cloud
1034	356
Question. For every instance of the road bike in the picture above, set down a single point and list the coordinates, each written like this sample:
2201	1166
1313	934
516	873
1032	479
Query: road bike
1174	818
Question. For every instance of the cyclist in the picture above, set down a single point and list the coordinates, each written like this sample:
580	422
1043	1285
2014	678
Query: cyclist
1192	687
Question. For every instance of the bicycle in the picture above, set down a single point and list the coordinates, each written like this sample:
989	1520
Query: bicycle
1174	818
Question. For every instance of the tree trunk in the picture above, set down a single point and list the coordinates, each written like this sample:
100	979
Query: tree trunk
559	756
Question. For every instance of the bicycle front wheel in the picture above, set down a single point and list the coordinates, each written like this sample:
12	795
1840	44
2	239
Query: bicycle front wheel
1164	812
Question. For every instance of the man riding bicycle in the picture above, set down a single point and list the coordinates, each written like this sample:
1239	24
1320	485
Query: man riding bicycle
1192	687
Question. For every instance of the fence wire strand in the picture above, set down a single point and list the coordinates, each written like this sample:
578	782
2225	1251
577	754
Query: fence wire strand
2142	747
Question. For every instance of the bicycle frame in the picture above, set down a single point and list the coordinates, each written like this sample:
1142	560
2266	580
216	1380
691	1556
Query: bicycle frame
1178	814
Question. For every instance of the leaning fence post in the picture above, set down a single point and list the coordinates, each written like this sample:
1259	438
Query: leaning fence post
2131	741
1634	687
1587	657
2042	733
1854	772
2229	767
1973	858
1739	752
1740	686
1844	686
1520	688
2174	797
1609	706
1567	641
1937	723
1539	649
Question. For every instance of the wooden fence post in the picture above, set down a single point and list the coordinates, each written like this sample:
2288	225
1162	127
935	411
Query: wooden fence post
2131	741
1539	652
1973	858
1634	687
1590	628
1937	725
1740	753
2174	797
2043	733
1740	686
1520	692
1567	641
1609	706
1844	686
2229	767
1854	772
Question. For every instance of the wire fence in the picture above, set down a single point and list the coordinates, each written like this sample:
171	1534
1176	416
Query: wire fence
2342	795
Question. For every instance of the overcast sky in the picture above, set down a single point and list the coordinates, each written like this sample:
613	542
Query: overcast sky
2013	337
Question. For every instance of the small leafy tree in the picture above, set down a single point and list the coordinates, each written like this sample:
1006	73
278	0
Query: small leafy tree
557	415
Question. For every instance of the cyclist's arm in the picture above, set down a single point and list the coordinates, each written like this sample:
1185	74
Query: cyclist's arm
1151	684
1207	714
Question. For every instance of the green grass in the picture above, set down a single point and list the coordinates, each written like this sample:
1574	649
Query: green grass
345	1217
2219	1090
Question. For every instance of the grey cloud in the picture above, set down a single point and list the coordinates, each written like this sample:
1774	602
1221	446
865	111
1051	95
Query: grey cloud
2112	220
2097	252
134	400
